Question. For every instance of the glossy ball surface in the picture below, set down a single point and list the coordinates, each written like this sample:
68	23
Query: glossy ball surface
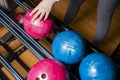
97	66
19	17
38	29
48	69
68	47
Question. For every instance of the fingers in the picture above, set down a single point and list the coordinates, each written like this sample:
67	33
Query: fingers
46	15
40	14
33	11
42	11
36	15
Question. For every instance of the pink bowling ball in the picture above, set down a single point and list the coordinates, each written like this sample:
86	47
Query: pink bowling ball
38	29
48	69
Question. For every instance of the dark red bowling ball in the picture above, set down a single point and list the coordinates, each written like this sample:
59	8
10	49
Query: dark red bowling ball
19	17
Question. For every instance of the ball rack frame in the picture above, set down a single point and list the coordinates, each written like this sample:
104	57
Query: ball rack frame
15	31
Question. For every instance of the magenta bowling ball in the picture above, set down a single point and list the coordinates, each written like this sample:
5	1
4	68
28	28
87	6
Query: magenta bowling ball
48	69
19	17
38	29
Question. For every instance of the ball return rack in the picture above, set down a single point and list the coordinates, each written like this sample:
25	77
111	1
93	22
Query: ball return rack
17	32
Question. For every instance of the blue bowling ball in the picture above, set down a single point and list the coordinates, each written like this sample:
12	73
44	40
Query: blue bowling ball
68	47
97	66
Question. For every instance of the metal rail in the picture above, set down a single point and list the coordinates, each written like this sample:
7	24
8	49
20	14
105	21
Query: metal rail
19	37
12	71
36	48
31	40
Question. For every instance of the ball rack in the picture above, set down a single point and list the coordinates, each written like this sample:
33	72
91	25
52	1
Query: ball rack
15	31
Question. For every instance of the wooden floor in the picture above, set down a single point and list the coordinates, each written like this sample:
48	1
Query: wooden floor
84	23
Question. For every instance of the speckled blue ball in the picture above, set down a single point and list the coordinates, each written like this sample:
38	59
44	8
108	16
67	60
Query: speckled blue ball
68	47
97	66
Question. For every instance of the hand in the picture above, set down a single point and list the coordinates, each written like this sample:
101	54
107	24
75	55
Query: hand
42	10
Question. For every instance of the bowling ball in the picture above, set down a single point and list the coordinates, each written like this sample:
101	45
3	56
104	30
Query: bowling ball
48	69
19	17
37	29
68	47
97	66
